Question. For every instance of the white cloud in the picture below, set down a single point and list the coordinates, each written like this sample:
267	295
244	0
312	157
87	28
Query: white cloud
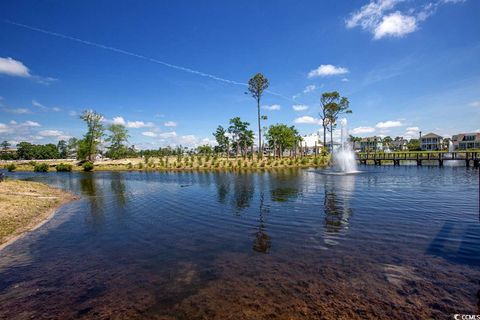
13	67
415	129
307	120
369	15
327	70
474	103
379	18
29	123
119	120
17	110
190	140
130	124
395	25
362	130
309	88
272	107
170	124
57	134
149	134
37	104
345	79
50	133
42	107
4	128
411	132
139	124
299	107
165	135
388	124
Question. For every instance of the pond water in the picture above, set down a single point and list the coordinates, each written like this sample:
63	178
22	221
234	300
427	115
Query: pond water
391	242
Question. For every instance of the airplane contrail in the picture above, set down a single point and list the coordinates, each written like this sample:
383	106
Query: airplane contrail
125	52
136	55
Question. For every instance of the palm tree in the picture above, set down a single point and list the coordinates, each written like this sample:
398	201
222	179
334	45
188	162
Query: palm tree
256	86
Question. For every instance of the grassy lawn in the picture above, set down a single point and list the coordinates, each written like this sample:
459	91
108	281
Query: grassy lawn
24	205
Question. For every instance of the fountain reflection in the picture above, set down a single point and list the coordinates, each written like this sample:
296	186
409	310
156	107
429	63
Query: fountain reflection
338	194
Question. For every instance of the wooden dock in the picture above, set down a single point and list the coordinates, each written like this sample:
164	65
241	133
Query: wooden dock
468	158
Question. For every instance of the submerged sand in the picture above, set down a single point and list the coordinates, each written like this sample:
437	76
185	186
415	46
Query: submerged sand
25	206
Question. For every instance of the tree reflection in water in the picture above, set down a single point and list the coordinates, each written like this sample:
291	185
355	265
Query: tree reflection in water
262	242
223	186
89	189
119	189
244	190
284	194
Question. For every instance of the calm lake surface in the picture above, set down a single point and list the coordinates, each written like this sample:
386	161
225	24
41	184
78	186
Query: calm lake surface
391	242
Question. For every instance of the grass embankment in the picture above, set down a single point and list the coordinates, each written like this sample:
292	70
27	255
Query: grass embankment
26	205
189	163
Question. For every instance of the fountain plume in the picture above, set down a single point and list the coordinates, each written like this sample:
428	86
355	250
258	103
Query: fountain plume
344	157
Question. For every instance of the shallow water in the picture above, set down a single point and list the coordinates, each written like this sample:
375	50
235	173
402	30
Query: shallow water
390	242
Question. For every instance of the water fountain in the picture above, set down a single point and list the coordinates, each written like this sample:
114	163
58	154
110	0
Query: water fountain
343	157
452	163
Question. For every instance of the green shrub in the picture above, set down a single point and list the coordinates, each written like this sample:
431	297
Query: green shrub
11	167
40	167
304	161
129	165
32	163
87	166
140	166
62	167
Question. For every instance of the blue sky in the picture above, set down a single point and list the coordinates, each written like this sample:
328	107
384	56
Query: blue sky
174	70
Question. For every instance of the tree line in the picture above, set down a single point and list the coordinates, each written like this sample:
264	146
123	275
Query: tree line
237	138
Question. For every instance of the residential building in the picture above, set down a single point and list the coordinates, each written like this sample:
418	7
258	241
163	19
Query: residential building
399	144
431	141
464	141
310	141
371	144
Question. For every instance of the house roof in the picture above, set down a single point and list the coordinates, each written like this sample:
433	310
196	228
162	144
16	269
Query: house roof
431	135
370	139
461	136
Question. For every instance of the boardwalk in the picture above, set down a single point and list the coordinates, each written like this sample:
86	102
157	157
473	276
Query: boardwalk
468	158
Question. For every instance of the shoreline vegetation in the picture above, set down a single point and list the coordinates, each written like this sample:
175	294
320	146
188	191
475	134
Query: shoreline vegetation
27	205
173	163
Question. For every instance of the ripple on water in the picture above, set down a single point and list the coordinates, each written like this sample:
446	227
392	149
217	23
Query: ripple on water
204	245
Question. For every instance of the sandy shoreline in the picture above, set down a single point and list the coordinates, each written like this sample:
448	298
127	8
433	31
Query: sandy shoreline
26	206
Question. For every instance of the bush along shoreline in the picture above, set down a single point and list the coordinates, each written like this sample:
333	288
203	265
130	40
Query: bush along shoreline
177	163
